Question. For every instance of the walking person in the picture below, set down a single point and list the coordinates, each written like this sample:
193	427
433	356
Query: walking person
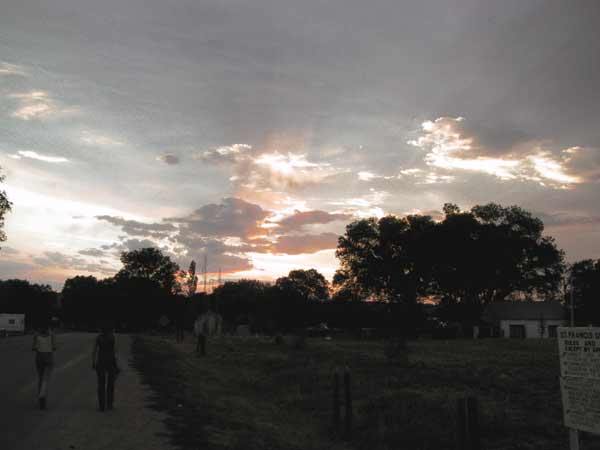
206	325
104	362
44	344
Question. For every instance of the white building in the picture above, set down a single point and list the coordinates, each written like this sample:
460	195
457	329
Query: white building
522	319
12	323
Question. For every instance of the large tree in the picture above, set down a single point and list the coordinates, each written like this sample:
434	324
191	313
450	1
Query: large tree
388	258
239	301
5	206
492	253
151	264
293	297
489	253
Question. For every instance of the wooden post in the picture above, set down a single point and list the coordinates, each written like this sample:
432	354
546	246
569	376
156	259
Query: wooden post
467	424
473	423
461	424
336	402
348	391
573	439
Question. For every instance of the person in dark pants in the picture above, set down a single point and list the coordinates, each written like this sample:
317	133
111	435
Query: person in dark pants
104	362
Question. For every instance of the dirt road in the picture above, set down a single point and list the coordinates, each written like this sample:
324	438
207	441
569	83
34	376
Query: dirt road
72	420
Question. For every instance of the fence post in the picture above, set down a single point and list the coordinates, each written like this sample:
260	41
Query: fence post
467	424
336	401
461	424
348	389
473	423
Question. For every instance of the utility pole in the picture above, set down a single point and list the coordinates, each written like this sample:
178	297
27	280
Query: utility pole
205	273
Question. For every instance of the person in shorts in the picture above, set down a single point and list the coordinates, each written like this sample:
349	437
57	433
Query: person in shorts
44	346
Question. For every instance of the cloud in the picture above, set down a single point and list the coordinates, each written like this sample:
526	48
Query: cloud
450	149
6	250
136	244
96	139
231	217
37	105
226	153
309	243
53	259
12	69
34	155
94	252
368	205
291	169
568	219
136	228
302	218
255	169
168	159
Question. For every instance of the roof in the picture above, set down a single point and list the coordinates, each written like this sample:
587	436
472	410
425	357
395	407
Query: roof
548	310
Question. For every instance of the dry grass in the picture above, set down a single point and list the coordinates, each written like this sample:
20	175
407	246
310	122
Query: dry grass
252	394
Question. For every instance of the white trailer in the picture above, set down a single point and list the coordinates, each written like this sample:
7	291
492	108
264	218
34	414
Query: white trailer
12	323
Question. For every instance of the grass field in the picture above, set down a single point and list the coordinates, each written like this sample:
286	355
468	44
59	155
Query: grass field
249	393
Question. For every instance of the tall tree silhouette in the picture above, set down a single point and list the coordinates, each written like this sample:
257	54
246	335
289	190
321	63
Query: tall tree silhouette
5	206
151	264
191	280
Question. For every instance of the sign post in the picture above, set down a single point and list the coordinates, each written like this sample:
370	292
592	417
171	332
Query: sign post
579	354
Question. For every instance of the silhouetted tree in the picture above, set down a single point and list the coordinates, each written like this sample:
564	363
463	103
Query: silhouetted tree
389	259
36	301
81	302
191	280
238	301
490	254
151	264
294	295
5	206
467	260
584	278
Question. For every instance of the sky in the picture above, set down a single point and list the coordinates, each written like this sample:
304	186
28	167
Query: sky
253	132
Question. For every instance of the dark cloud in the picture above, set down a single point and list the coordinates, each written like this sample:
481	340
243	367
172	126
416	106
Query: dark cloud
232	217
567	219
136	244
53	259
299	220
169	159
92	252
294	245
135	228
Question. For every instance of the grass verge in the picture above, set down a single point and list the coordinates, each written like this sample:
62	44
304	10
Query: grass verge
251	394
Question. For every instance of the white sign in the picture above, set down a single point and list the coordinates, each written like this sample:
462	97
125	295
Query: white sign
581	403
579	354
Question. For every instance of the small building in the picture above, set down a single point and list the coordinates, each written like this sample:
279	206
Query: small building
12	323
524	319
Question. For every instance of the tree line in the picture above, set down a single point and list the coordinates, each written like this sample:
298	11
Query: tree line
390	269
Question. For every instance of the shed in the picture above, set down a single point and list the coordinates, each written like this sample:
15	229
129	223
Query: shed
524	319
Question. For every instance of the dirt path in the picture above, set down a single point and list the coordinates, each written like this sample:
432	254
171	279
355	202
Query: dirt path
72	420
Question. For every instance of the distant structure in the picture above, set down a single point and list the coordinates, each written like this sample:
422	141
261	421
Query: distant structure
205	272
521	320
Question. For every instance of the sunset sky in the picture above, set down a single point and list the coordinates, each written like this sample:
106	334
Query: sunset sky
254	131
